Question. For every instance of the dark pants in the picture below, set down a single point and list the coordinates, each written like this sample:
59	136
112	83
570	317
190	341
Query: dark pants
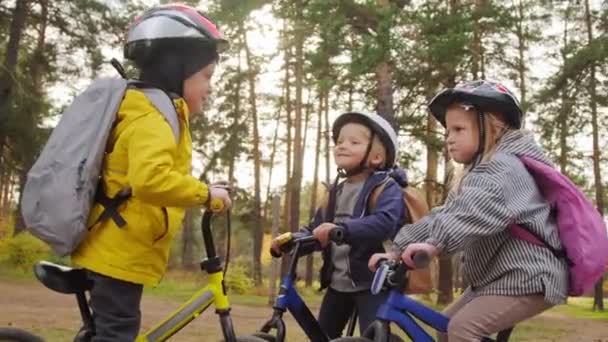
337	308
115	305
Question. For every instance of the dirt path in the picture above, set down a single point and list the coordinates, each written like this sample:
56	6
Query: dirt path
30	306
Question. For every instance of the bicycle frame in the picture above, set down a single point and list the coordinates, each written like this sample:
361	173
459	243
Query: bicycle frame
400	308
214	293
289	299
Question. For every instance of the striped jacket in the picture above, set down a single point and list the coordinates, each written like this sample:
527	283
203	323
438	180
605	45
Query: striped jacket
474	219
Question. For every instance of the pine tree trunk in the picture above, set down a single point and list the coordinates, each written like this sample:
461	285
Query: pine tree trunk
327	135
521	62
289	151
37	74
19	222
384	75
188	262
38	64
9	67
276	213
598	300
4	202
258	233
446	277
565	107
432	160
296	179
385	91
273	152
476	48
315	188
7	73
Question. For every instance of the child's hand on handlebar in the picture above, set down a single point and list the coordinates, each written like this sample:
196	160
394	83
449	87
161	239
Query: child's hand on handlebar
410	250
375	259
219	199
322	231
276	243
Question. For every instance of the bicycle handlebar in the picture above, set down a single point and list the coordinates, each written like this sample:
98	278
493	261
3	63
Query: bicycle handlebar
392	273
206	231
288	241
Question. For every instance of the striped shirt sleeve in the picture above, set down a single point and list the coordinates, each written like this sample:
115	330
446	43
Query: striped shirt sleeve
476	211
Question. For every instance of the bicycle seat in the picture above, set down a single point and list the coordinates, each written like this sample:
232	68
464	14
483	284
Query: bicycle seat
61	278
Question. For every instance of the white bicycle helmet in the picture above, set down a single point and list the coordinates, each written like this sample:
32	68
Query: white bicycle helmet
379	127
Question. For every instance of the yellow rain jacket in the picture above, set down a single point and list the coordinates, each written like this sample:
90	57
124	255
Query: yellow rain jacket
142	154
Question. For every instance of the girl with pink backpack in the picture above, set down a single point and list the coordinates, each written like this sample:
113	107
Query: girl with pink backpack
529	236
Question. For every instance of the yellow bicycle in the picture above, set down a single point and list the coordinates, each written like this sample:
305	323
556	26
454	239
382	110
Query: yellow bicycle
69	280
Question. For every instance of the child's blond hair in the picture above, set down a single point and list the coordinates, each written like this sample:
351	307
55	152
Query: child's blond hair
377	148
495	128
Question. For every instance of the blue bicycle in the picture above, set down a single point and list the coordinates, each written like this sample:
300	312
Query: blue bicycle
288	297
400	308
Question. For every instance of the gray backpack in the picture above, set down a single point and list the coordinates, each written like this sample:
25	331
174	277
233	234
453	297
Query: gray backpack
62	186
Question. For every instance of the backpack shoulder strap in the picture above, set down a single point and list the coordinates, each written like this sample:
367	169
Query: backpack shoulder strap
375	194
163	102
533	167
415	204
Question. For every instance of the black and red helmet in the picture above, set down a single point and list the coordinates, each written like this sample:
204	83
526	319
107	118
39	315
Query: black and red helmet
485	96
170	27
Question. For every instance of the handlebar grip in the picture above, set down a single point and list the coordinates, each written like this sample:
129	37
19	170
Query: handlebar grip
421	259
275	254
381	262
216	205
337	235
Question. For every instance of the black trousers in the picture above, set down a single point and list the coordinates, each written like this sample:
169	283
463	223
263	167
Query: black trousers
337	308
115	305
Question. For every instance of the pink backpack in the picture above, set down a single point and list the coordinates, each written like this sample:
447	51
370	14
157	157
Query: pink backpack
581	228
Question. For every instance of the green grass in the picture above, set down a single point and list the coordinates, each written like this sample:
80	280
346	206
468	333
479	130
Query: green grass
15	274
580	307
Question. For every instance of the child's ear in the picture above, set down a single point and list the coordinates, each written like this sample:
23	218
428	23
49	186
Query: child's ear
376	159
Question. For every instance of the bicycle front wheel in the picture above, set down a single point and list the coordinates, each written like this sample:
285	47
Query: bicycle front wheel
17	335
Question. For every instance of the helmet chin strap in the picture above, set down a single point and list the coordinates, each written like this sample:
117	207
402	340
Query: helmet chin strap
482	139
362	167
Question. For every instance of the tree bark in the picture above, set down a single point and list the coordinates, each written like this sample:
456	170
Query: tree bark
384	73
446	277
258	233
12	50
273	152
521	63
37	73
315	188
9	68
276	213
432	159
188	262
598	298
296	179
565	107
289	151
327	135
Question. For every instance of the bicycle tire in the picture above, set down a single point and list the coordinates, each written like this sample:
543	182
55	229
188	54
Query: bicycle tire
265	336
249	339
392	338
18	335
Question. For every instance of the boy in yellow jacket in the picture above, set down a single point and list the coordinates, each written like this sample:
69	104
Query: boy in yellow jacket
176	48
